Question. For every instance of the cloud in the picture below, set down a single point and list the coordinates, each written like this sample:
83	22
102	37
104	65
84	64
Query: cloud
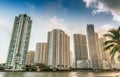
107	6
2	22
104	29
3	26
60	23
56	22
116	17
89	2
5	34
49	22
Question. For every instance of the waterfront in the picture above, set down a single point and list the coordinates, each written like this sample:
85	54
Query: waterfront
59	74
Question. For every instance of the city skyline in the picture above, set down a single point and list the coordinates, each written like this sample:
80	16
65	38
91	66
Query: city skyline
70	15
87	55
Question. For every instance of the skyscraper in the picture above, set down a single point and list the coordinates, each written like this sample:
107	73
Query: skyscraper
58	49
93	52
80	48
41	53
30	58
19	43
105	56
98	50
72	59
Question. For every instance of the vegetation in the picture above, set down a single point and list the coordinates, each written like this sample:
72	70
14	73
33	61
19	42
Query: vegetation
113	42
1	68
37	67
43	67
30	68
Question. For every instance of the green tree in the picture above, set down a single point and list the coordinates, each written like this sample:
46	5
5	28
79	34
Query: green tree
43	67
30	68
1	68
113	42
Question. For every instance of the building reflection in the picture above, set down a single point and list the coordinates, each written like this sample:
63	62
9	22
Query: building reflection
13	74
73	74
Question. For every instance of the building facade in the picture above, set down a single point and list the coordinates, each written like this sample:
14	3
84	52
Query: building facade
80	48
98	50
41	54
83	64
105	56
93	50
30	58
58	49
19	43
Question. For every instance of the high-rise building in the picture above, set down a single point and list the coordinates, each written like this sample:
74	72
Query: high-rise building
19	43
72	59
41	53
93	52
80	48
30	58
105	56
98	50
58	49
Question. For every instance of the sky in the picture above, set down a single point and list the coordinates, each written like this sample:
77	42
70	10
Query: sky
72	16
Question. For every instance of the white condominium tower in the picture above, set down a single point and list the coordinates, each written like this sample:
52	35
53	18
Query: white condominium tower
30	58
58	49
19	43
41	53
93	50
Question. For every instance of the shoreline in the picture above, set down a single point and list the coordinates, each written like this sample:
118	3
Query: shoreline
69	71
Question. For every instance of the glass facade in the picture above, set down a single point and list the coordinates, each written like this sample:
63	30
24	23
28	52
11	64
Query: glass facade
19	42
93	48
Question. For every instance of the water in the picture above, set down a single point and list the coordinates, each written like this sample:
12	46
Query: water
59	74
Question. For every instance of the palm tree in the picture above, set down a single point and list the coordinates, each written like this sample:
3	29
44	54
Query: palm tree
113	42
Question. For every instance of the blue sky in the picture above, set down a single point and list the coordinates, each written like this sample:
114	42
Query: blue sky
70	15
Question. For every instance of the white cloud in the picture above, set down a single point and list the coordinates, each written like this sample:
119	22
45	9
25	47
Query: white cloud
60	23
3	26
53	22
89	2
104	29
109	6
2	22
49	23
56	22
116	17
5	32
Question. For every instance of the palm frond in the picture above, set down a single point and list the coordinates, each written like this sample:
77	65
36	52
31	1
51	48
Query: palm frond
108	47
118	57
115	34
115	49
113	44
113	31
118	29
108	35
119	32
109	42
112	52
